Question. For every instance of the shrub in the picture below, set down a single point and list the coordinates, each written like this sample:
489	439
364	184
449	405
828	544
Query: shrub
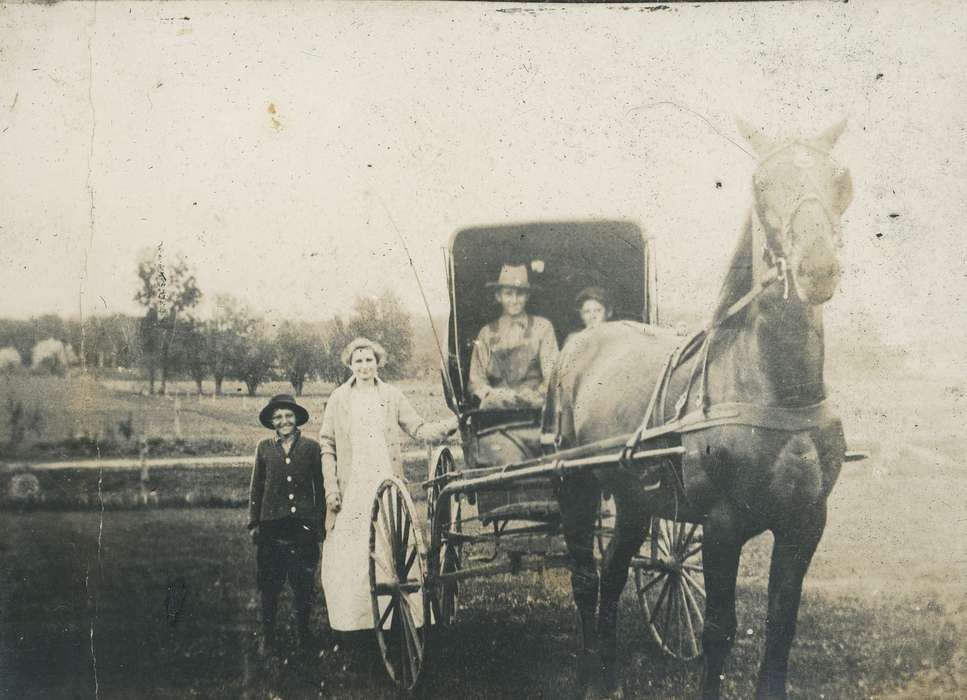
10	360
51	356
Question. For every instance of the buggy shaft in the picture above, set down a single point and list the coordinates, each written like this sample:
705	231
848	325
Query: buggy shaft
549	467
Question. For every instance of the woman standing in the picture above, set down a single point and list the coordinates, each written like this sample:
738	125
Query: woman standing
361	446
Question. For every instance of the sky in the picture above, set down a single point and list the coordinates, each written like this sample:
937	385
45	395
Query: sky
286	149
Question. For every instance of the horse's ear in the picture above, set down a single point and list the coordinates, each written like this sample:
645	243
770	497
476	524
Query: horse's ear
760	144
828	138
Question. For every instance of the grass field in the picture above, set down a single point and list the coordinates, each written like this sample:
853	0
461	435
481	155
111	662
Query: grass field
84	602
884	609
79	407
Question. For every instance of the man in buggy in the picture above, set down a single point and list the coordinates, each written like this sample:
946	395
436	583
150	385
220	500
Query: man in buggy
514	355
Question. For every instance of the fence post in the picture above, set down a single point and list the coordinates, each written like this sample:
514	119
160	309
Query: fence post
177	417
145	475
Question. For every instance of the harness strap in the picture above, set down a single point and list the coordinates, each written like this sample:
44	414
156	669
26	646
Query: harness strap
656	404
785	418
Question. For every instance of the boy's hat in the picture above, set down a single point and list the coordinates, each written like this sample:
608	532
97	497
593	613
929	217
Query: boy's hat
599	294
283	401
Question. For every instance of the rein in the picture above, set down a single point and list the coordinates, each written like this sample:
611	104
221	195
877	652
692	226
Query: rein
708	415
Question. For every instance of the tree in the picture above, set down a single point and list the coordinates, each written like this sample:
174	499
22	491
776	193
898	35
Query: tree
18	334
298	349
335	336
224	337
167	290
384	320
191	352
254	365
149	340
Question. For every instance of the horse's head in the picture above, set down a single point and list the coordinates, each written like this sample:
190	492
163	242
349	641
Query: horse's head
800	196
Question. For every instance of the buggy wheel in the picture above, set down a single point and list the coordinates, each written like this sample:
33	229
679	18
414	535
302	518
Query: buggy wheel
445	555
670	587
397	583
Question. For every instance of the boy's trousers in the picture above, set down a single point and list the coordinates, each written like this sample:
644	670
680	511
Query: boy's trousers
287	549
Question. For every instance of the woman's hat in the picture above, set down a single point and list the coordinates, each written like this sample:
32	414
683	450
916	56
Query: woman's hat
283	401
599	294
513	277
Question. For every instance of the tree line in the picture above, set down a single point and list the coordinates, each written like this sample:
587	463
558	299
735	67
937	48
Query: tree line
172	340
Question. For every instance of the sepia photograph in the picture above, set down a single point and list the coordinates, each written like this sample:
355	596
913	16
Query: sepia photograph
483	350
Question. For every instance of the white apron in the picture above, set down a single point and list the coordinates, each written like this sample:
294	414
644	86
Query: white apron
345	554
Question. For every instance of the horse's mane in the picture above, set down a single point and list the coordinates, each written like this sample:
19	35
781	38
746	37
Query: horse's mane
738	276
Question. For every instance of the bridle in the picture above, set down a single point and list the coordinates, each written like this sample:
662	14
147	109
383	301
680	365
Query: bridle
772	251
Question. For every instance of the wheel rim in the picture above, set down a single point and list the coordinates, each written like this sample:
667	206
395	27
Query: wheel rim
448	556
397	584
670	587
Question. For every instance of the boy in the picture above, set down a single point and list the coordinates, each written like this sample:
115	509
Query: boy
287	507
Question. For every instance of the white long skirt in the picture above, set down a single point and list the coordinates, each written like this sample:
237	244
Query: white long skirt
345	553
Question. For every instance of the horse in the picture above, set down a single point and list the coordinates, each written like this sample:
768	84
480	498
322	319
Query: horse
769	464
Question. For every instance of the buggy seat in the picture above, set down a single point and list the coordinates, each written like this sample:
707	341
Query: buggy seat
496	438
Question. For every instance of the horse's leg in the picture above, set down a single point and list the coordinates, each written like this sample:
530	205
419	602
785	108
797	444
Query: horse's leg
792	552
630	530
579	497
721	547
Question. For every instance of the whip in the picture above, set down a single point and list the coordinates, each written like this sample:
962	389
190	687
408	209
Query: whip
426	305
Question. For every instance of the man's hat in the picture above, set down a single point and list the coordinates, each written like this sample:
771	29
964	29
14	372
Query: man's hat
513	277
283	401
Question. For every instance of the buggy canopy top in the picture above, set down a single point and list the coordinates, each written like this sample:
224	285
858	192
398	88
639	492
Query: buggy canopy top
562	258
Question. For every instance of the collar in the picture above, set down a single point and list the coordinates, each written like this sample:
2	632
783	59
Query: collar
352	381
522	321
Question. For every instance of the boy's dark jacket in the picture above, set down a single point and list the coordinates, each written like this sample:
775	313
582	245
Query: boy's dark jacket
287	485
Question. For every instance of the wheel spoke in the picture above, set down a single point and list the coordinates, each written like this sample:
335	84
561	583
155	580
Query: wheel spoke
698	609
687	536
406	533
402	646
669	607
696	584
409	563
386	613
658	602
414	630
413	645
688	621
657	578
692	552
388	531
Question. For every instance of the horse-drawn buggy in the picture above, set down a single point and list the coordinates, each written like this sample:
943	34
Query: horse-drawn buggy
498	512
704	442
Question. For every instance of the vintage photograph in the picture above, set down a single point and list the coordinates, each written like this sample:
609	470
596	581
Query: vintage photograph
483	350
